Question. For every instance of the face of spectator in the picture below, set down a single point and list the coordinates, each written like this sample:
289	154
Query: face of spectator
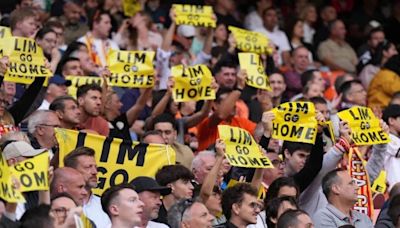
199	216
270	19
72	68
181	189
339	30
71	113
27	27
26	3
91	103
114	105
129	207
311	14
278	84
60	35
304	221
201	172
55	90
76	188
87	64
323	108
248	209
103	26
390	52
296	161
86	165
278	170
319	80
287	191
72	12
60	208
300	59
357	95
213	203
10	89
376	38
226	77
167	131
46	130
394	123
328	14
152	203
48	43
314	90
346	188
221	33
298	29
285	206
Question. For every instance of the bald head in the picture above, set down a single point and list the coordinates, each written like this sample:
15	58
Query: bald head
71	181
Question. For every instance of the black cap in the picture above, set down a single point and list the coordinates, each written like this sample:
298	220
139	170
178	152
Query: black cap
149	184
391	111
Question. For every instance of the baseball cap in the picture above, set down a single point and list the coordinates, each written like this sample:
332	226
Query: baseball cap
20	148
59	80
391	111
149	184
186	31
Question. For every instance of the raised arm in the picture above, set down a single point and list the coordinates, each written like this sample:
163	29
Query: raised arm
133	113
169	35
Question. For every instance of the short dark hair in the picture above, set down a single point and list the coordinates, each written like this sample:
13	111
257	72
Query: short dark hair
221	91
225	62
71	160
59	103
43	31
111	193
307	76
19	15
234	195
165	118
82	90
318	100
330	179
172	173
272	207
289	218
346	87
54	24
38	216
62	194
375	30
63	62
394	209
276	186
97	17
268	9
294	146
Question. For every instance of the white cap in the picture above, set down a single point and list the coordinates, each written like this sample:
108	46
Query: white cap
186	31
20	148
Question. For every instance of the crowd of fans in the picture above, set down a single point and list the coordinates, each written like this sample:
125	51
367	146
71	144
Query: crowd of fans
336	54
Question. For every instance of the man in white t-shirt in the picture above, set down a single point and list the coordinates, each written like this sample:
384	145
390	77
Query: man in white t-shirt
97	39
392	160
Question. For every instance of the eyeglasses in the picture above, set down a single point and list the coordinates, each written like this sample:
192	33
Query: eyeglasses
255	206
278	163
187	203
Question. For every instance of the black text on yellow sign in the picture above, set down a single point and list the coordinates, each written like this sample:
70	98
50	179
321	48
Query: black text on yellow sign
118	161
256	76
241	148
25	58
192	83
249	41
133	69
196	15
295	121
33	173
8	192
365	126
5	32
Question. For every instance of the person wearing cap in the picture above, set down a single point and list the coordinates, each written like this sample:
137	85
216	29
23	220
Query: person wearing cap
149	192
392	161
82	159
15	152
57	87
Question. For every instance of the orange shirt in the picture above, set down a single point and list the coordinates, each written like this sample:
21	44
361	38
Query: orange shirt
207	133
97	124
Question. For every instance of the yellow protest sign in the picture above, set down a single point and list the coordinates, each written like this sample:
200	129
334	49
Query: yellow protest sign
379	185
131	7
256	76
26	58
295	121
117	160
364	125
5	32
33	173
133	69
249	41
241	148
196	15
77	81
192	83
7	190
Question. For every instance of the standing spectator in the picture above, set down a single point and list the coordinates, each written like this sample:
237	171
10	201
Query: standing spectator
46	38
368	50
71	19
202	164
278	85
300	63
353	93
41	126
23	22
189	213
309	16
67	110
225	11
97	39
123	206
335	52
57	87
253	20
341	192
327	15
